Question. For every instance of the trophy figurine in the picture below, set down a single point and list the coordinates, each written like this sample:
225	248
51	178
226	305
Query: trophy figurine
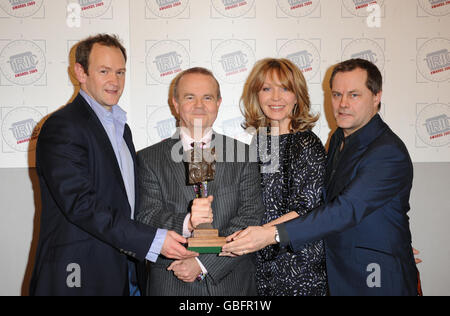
202	167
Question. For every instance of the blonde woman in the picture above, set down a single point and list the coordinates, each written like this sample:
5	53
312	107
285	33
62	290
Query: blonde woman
276	99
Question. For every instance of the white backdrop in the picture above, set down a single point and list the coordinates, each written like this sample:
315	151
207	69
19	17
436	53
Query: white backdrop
408	39
411	46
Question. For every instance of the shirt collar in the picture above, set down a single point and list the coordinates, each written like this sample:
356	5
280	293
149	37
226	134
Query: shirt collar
365	134
116	113
187	140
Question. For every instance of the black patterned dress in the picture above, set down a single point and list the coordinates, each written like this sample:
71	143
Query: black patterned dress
294	184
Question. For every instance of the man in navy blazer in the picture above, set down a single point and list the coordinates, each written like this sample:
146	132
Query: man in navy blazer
86	162
364	220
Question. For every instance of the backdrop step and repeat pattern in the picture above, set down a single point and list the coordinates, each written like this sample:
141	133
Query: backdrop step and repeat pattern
409	40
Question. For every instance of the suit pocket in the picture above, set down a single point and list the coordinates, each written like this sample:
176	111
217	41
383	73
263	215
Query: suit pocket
369	256
77	250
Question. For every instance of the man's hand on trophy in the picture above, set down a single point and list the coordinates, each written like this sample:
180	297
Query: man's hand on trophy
201	212
173	247
185	270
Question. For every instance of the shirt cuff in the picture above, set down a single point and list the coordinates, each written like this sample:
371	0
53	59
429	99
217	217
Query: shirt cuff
202	266
157	244
186	232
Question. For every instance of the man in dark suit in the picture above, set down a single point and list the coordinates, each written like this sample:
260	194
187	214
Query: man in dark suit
234	195
86	160
368	181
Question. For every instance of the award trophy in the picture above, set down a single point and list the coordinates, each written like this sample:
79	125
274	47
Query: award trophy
202	167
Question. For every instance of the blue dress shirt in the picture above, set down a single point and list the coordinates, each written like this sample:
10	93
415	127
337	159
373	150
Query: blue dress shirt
114	124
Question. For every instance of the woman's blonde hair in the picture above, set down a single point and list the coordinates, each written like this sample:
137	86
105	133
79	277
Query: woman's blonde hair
290	78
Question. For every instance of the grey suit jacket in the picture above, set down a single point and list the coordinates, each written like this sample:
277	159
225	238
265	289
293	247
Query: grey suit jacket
165	202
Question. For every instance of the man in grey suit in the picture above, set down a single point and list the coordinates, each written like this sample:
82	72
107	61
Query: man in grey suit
167	200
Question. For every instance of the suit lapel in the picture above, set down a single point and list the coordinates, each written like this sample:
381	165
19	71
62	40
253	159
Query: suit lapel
214	185
345	167
340	177
129	141
103	141
179	170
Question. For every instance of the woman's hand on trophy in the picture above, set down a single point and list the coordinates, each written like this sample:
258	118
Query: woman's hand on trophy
250	240
229	239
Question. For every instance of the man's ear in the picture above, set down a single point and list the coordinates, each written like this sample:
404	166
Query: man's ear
80	74
176	106
377	98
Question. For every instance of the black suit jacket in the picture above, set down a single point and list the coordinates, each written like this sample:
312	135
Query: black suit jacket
86	227
364	220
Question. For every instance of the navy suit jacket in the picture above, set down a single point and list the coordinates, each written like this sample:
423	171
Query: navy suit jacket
363	220
86	228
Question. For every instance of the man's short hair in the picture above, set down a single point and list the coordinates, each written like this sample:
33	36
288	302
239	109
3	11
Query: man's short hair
84	48
196	70
374	78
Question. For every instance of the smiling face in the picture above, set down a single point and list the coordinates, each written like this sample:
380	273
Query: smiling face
105	79
277	102
197	102
354	105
